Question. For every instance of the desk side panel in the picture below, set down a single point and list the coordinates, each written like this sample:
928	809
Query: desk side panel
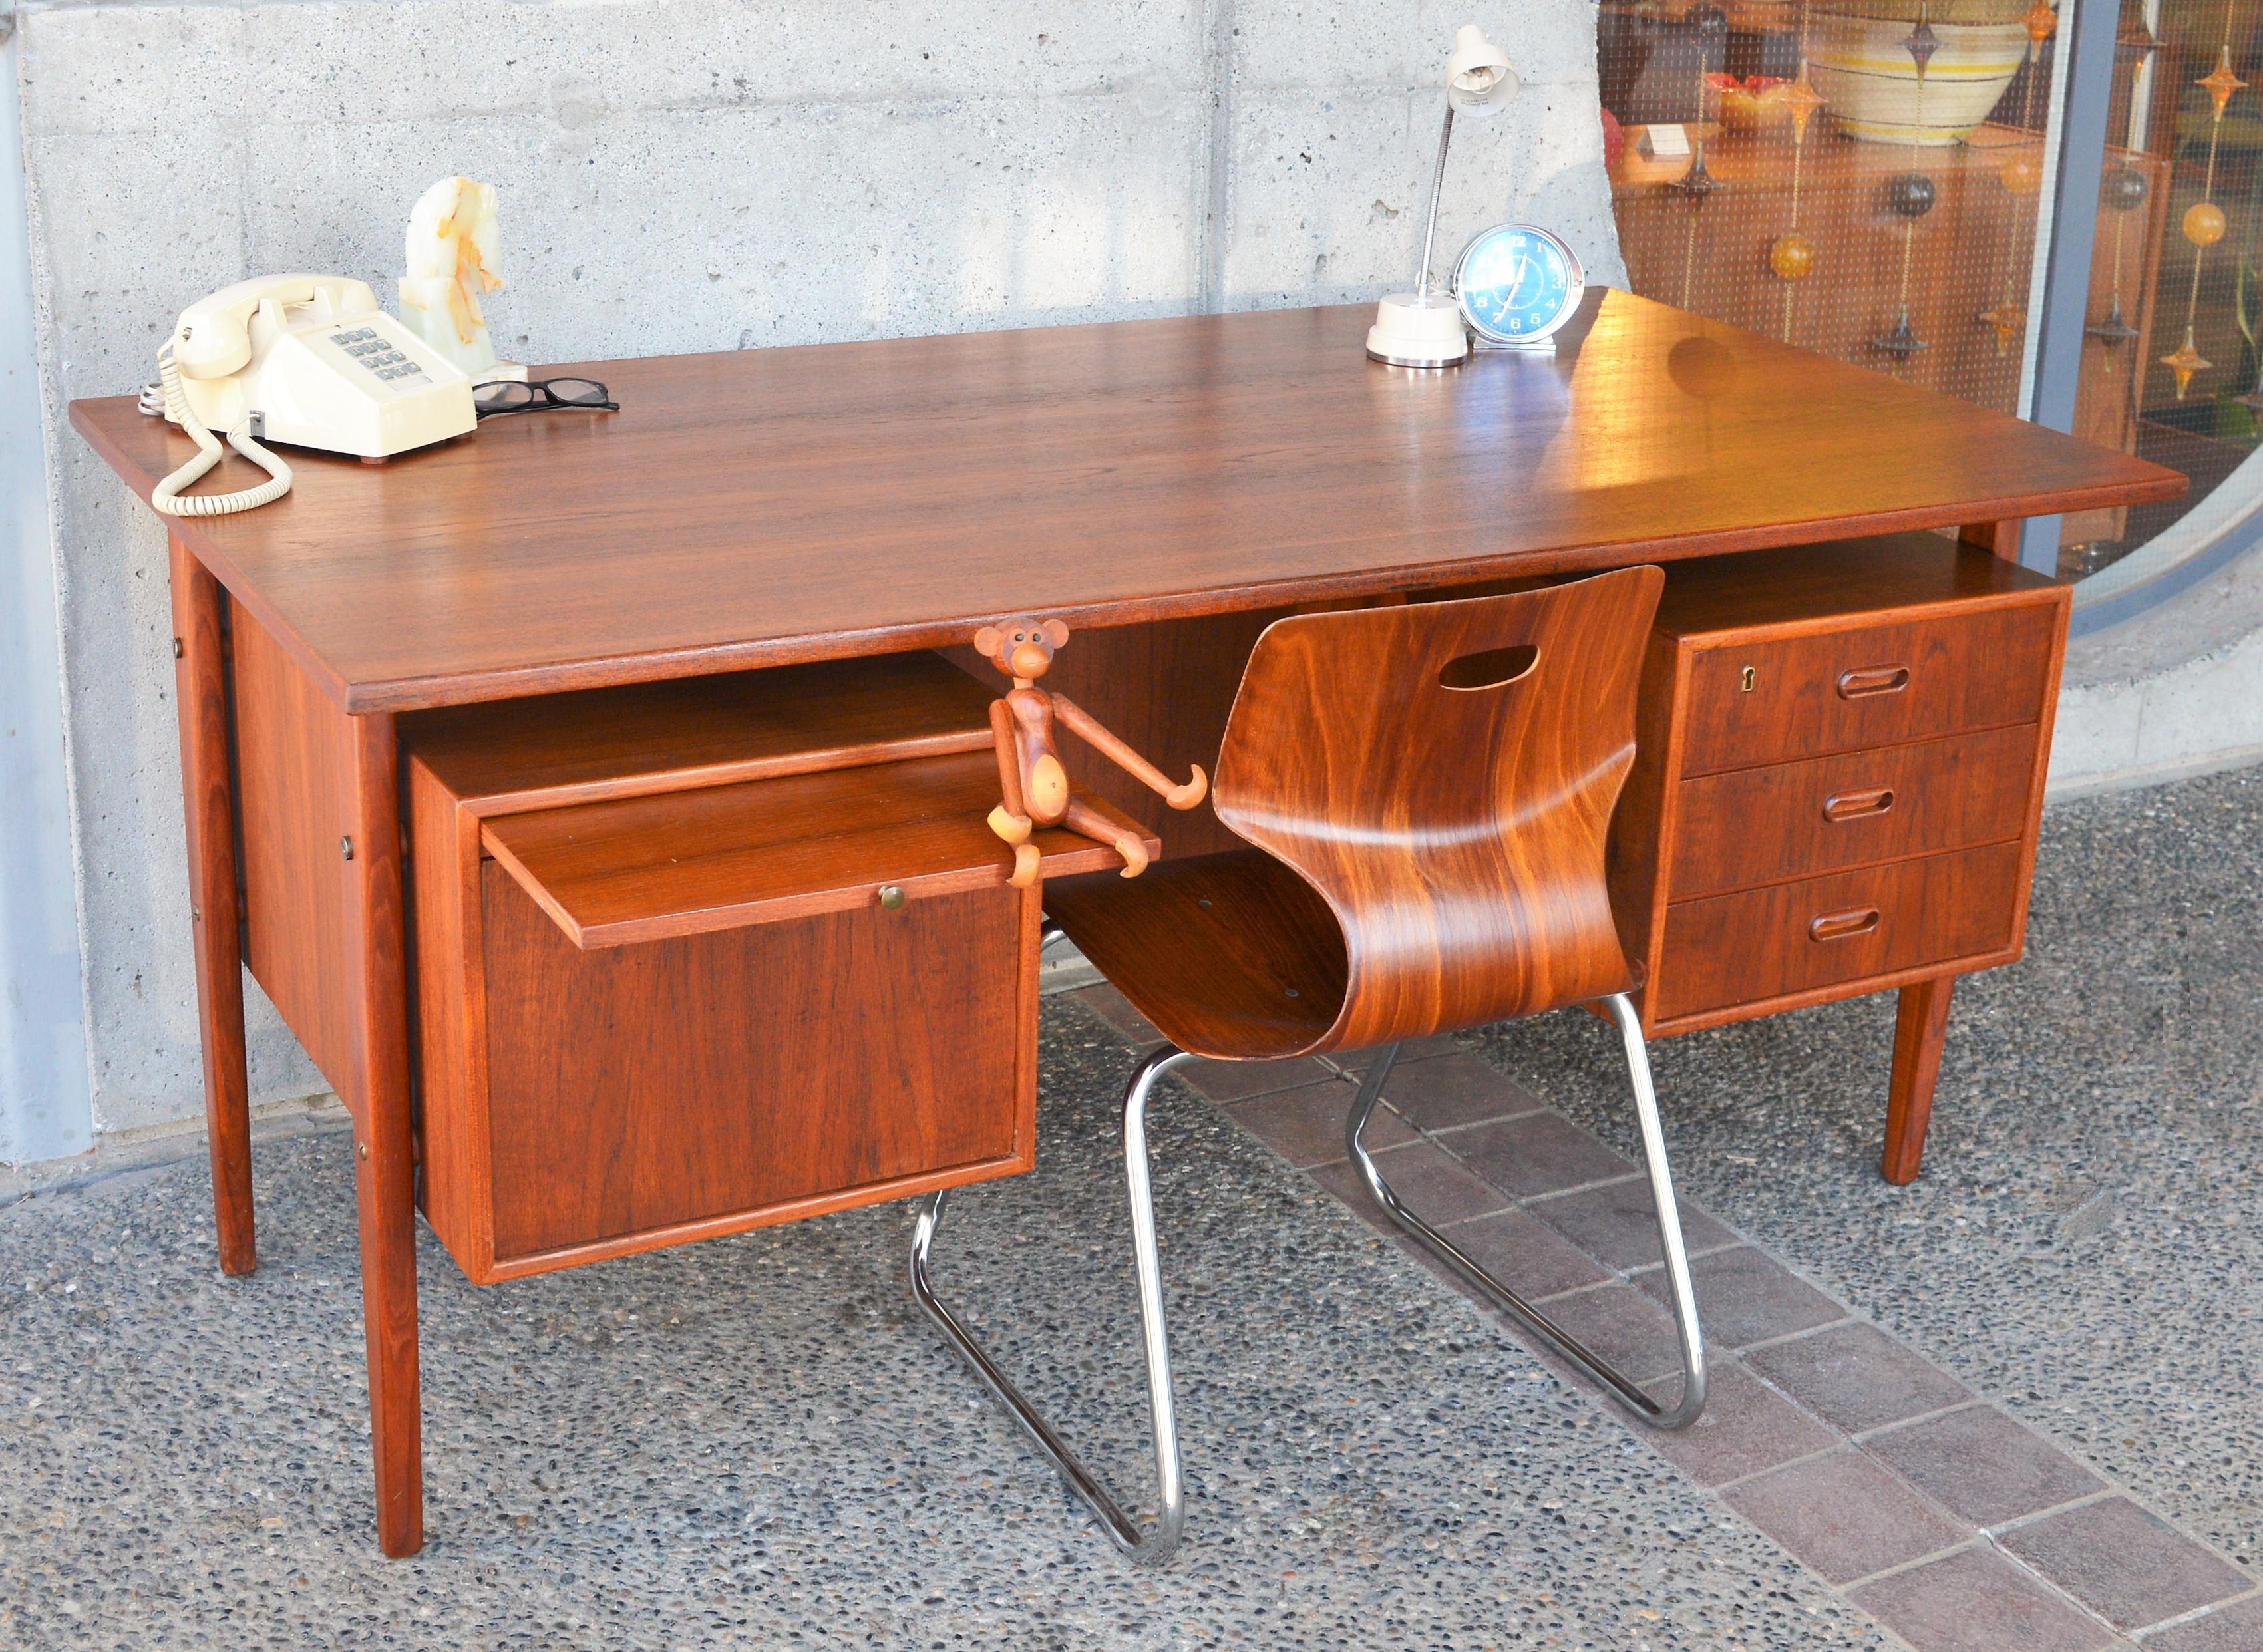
450	1006
291	742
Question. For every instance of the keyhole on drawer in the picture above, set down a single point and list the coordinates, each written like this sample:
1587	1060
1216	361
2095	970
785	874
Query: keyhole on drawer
1747	678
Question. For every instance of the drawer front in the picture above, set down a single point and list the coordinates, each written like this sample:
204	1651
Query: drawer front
1820	932
1751	826
1866	685
701	1078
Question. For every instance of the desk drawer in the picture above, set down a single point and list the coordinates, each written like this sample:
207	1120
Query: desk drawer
1864	685
1750	826
1820	932
654	1018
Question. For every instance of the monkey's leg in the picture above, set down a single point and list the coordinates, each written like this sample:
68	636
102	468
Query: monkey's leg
1088	820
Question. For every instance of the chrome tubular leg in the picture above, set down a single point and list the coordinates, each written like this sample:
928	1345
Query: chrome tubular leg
1147	1547
1684	1410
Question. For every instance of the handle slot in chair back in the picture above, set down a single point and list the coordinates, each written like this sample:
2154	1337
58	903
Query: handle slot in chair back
1457	834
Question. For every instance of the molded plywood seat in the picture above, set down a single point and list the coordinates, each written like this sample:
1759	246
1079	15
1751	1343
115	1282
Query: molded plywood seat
1425	790
1259	972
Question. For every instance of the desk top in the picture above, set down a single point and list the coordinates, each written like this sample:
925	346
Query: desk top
766	507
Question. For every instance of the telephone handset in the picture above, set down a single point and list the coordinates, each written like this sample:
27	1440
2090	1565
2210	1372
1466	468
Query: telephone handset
304	359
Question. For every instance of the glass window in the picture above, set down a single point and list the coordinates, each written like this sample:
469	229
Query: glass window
1871	179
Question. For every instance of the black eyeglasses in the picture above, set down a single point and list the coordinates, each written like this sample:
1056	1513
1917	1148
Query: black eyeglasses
517	395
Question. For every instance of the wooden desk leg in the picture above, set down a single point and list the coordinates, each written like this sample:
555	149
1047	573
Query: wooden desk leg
1919	1029
384	1150
208	807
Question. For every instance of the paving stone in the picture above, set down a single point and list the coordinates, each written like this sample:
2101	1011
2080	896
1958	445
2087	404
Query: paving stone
2237	1627
1527	1255
1625	1329
1977	1601
2126	1565
1745	1428
1539	1153
1617	1224
1982	1465
1443	1092
1356	1061
1745	1297
1306	1126
1427	1181
1844	1515
1239	1080
1857	1377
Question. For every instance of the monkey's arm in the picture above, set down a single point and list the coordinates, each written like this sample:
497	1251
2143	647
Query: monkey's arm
1010	820
1129	761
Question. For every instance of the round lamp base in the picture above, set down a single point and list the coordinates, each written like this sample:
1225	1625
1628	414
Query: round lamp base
1422	330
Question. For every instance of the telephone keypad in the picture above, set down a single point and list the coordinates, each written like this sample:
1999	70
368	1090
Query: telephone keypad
375	352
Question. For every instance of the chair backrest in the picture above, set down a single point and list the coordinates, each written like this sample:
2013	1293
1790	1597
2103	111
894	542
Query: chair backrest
1443	775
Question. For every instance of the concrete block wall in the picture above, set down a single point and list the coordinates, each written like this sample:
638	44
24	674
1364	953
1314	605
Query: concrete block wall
689	175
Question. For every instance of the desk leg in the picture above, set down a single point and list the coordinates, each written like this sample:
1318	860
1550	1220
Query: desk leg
208	807
384	1151
1920	1030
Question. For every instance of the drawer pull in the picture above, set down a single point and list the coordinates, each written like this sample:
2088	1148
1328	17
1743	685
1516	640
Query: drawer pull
1838	926
892	897
1857	806
1865	681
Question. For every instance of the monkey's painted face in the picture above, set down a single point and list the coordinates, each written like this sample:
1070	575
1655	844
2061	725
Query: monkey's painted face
1023	649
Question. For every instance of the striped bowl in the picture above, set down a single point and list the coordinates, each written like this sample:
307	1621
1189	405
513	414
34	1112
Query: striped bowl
1870	86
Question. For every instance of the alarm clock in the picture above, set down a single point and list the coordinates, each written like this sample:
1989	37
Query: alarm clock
1515	284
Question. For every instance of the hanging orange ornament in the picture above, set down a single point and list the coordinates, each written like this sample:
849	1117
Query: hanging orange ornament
2043	22
2007	320
2221	82
1791	256
2185	363
2022	174
2204	223
1802	101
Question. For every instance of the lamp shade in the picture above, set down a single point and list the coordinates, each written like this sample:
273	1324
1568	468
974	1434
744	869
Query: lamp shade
1478	80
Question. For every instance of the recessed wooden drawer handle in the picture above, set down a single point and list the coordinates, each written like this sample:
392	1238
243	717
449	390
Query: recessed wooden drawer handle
1864	681
1837	926
1857	806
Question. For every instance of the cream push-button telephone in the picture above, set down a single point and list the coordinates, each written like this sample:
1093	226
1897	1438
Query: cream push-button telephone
307	360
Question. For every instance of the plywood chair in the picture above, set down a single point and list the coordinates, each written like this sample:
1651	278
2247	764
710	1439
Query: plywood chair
1425	790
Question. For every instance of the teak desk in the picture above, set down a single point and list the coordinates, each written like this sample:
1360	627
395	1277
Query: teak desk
1836	788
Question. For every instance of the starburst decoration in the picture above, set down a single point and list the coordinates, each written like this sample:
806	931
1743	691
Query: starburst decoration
1921	43
2221	82
1802	101
1903	342
2112	331
2185	363
2007	319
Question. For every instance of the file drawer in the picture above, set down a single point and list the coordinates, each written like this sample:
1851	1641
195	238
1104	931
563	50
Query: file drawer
755	993
1771	699
1788	939
1749	826
1895	734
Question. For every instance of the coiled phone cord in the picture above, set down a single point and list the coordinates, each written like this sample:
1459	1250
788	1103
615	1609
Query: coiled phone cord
168	496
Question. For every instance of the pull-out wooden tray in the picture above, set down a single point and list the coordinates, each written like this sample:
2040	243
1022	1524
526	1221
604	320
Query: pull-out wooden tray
735	960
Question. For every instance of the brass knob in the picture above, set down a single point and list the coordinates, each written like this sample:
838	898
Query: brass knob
892	897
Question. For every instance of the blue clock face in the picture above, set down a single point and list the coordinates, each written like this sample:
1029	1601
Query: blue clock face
1517	284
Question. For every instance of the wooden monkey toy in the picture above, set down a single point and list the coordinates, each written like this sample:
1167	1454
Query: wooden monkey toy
1029	767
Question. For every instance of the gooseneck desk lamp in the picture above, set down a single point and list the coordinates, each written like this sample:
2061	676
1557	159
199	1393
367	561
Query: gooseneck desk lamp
1423	328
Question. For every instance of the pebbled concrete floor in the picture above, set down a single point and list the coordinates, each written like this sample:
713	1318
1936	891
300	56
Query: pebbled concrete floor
757	1443
2086	1243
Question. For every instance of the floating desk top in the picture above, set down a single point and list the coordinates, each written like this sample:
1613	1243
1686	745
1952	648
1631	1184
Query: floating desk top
766	507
